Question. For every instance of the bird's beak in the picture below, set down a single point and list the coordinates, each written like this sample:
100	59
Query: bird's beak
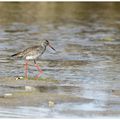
51	47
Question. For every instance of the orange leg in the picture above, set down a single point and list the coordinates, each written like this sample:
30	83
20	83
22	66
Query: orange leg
40	71
26	69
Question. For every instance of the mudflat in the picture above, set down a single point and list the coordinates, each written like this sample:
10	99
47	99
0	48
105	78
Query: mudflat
34	92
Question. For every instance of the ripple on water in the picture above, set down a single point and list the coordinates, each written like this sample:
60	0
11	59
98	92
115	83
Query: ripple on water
88	53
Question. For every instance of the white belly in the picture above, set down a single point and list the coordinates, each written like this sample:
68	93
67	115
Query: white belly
31	57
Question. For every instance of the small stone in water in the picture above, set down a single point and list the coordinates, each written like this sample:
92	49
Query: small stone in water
8	95
29	88
51	103
17	78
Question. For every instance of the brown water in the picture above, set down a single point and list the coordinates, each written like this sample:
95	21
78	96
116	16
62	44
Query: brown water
87	39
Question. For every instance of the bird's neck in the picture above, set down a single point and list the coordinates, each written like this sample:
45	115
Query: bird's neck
43	45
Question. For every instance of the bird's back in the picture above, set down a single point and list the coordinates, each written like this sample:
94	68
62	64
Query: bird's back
34	52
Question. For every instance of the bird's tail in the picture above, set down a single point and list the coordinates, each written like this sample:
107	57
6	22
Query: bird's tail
14	55
17	55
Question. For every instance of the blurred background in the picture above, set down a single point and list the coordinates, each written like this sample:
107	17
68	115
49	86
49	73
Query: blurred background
87	39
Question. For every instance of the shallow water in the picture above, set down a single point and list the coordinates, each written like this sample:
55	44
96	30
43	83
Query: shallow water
87	40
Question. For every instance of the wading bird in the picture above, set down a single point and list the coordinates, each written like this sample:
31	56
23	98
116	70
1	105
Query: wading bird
32	53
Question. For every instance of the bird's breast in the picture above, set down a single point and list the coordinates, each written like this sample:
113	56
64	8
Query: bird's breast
31	57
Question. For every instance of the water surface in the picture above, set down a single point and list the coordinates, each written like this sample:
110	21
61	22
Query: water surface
87	39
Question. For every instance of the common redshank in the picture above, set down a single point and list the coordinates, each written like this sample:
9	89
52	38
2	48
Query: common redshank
32	53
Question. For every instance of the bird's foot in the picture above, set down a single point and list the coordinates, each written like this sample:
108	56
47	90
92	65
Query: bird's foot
40	72
26	78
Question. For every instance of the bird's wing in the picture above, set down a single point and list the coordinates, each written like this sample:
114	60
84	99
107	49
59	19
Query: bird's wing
31	50
25	52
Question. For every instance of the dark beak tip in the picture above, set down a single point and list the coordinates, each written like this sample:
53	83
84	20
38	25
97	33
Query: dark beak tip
52	47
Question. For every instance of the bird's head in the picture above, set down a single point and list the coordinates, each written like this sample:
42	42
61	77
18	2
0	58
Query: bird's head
46	43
